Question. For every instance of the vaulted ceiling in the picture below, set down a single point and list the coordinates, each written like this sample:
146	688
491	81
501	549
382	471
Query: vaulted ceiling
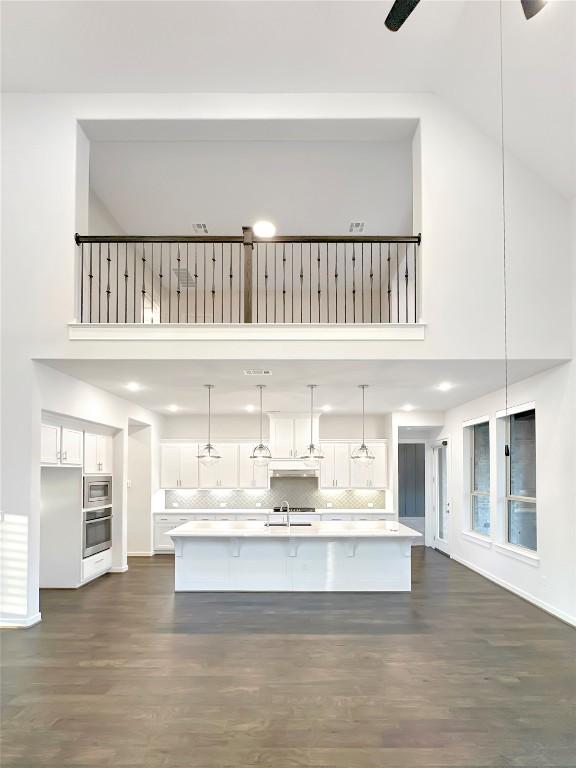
450	48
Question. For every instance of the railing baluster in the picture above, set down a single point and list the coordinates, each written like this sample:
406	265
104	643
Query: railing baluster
117	280
195	282
353	282
371	286
266	283
160	279
336	283
406	274
362	277
415	283
143	283
187	282
231	276
389	287
380	284
108	284
318	277
283	282
178	283
82	282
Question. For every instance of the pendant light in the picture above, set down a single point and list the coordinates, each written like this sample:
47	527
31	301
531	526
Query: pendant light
261	454
208	454
313	453
362	455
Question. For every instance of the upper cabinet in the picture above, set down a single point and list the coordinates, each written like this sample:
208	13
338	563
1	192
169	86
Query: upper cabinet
335	466
179	465
290	435
375	474
250	475
222	473
98	454
60	445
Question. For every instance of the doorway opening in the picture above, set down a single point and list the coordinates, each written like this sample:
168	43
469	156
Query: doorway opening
441	497
412	486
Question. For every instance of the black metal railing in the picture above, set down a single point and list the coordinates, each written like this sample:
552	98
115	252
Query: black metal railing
245	279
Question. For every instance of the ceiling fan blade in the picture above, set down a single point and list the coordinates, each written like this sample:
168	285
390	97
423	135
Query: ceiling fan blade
531	7
400	12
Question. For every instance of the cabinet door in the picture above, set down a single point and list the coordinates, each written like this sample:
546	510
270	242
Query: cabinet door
50	444
91	460
163	542
71	446
209	474
228	465
250	475
341	465
302	434
189	466
379	469
169	466
105	454
282	437
360	474
327	466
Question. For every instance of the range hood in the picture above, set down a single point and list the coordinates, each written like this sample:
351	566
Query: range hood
290	468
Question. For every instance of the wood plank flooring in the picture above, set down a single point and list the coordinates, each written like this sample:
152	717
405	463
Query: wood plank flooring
123	672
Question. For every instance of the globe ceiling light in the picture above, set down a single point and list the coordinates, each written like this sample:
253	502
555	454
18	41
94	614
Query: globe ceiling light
362	454
313	454
208	454
261	454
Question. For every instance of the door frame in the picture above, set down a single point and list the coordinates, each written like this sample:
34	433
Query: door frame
442	545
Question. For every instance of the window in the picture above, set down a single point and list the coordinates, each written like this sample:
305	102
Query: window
480	478
521	480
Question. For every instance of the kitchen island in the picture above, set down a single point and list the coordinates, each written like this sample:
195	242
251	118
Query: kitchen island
334	556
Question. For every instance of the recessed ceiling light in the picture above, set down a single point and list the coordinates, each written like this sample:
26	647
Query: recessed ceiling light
133	386
408	407
173	408
326	408
264	229
445	386
250	408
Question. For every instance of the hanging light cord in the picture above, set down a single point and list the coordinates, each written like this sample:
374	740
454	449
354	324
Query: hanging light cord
363	387
209	408
504	255
260	387
311	413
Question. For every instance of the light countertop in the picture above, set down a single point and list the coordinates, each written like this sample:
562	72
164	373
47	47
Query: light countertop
322	529
265	510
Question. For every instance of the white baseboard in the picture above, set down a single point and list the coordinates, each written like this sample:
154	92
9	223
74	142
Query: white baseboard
565	617
27	621
119	569
141	554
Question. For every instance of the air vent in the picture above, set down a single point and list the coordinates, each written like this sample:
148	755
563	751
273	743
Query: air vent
356	227
257	372
184	279
200	229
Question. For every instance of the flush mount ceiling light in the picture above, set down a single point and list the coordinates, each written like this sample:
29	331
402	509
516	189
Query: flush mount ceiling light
362	455
326	408
445	386
403	8
261	454
408	407
264	229
250	408
133	386
173	408
208	454
313	453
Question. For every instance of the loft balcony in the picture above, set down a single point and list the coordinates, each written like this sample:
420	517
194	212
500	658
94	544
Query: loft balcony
284	287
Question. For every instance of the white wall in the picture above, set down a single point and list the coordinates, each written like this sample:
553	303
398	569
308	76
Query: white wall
49	390
139	491
550	581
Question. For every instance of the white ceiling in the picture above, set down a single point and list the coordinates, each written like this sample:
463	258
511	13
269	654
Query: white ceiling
393	383
447	47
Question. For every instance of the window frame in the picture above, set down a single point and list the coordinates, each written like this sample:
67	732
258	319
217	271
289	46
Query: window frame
471	492
508	497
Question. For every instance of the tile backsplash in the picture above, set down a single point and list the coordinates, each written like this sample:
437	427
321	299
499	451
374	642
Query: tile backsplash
299	491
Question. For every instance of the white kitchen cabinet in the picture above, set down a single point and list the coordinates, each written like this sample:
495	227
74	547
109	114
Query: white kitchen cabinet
98	452
290	435
71	447
375	474
50	444
179	465
249	474
163	524
335	466
222	473
60	445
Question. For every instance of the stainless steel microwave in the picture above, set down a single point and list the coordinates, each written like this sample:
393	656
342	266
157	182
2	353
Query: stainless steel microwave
97	491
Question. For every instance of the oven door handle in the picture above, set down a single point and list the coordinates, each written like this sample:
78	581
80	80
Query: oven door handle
98	520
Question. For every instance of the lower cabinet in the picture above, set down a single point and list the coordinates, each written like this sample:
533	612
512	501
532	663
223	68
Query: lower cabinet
96	565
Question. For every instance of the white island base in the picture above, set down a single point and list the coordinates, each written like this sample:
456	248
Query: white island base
333	556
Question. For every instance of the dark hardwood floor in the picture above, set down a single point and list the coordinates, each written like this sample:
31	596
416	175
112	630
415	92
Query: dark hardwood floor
125	673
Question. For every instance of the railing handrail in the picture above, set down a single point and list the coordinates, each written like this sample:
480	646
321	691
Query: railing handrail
79	239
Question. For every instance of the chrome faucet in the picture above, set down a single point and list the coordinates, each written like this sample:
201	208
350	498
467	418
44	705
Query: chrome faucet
286	506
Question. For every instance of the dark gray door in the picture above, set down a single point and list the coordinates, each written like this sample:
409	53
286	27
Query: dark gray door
411	481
